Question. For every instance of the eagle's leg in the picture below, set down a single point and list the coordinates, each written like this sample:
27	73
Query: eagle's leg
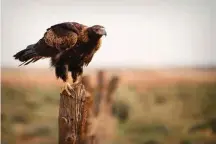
75	73
74	76
62	72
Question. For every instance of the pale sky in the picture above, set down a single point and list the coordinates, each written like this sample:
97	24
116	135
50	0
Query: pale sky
141	33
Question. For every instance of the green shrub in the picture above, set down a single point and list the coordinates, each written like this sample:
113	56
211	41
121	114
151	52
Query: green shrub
120	109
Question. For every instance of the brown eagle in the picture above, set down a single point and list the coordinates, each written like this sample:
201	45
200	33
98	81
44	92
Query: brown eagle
69	45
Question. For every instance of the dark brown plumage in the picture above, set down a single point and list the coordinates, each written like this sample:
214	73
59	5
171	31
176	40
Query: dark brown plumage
70	46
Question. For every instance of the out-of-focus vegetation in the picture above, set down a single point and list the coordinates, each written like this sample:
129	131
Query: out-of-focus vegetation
29	113
168	114
120	110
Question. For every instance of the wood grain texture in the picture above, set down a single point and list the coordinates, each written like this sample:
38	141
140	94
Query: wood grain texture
73	113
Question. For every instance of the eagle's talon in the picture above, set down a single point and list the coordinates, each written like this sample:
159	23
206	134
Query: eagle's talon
67	87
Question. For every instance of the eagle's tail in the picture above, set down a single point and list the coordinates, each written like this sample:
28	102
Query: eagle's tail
27	55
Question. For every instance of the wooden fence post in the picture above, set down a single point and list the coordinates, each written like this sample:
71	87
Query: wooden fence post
73	113
100	91
112	86
102	108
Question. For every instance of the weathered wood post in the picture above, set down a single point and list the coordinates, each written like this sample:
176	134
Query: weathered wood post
100	91
73	113
112	86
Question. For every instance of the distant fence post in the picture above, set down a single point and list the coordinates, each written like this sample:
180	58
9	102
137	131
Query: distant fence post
100	91
112	86
102	108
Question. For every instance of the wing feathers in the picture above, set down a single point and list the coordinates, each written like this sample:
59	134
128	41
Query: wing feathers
62	36
60	42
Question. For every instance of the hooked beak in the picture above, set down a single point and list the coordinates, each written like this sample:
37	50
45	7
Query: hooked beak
103	31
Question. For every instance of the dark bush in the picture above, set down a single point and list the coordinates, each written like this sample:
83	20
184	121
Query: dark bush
185	142
121	110
152	142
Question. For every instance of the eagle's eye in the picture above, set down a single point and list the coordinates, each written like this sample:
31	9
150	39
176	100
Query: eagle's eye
96	29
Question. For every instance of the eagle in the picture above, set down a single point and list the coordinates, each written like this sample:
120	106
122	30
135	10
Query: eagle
69	45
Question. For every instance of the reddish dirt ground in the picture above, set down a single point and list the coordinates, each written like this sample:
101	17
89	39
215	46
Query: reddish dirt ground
141	79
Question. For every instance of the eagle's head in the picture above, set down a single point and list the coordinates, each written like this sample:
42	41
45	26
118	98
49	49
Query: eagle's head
97	31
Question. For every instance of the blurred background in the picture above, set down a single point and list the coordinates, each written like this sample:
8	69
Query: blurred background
162	51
